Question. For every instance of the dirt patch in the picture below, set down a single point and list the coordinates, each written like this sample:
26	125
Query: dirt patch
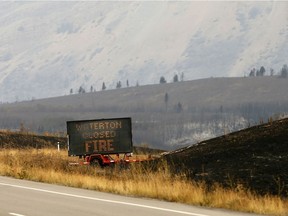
256	157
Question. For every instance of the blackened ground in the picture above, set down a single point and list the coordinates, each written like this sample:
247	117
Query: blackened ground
256	157
26	140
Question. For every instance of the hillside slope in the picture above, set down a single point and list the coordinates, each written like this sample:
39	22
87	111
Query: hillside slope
209	107
203	93
26	140
50	47
256	157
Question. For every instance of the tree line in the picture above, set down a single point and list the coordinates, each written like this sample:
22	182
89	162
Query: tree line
82	90
283	73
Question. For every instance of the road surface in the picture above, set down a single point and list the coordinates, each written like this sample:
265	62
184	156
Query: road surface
26	198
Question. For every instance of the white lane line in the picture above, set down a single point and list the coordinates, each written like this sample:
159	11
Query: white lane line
103	200
15	214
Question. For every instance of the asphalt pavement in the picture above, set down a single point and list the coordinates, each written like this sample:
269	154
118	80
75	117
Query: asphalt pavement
27	198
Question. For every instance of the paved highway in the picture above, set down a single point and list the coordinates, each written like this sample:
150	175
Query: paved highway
26	198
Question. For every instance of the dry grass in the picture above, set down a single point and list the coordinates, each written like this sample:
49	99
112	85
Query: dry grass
51	166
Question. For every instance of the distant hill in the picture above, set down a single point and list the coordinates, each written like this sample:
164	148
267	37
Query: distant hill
256	158
165	116
48	48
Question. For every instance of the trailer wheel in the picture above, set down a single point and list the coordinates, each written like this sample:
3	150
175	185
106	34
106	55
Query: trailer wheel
95	163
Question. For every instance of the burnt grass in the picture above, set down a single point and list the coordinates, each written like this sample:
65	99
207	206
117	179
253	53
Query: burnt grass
256	158
27	140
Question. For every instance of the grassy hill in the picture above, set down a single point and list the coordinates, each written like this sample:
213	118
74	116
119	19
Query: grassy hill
256	158
193	110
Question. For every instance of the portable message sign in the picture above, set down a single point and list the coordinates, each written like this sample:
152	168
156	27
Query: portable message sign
102	136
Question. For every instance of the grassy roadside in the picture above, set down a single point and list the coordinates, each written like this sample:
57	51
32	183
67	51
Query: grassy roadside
51	166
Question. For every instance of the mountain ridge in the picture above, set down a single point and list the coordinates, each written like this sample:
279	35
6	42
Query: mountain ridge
58	46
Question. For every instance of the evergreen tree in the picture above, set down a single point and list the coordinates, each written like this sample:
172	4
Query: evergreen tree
118	85
175	78
284	71
179	107
81	90
262	71
127	83
71	91
103	86
162	80
252	73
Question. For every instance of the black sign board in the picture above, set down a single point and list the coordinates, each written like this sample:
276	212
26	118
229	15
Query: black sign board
102	136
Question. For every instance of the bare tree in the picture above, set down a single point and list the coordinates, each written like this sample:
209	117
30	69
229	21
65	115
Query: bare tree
166	101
